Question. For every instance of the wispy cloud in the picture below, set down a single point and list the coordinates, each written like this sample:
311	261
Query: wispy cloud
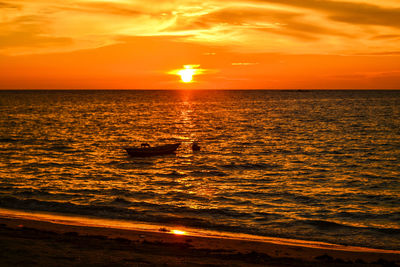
350	12
8	5
29	32
244	63
277	26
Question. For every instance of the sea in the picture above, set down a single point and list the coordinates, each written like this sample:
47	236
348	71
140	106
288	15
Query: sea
318	165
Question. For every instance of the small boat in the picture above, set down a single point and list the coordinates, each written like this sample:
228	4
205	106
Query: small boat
147	151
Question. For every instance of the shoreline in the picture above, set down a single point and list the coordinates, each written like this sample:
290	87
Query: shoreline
149	240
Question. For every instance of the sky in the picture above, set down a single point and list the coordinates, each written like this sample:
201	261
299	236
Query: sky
235	44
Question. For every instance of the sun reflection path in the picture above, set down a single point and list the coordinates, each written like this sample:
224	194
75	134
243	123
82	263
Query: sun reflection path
186	131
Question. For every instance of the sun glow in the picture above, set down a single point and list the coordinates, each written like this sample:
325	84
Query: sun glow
187	72
187	75
178	232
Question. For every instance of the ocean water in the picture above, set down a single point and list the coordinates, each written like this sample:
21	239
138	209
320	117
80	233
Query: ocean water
311	165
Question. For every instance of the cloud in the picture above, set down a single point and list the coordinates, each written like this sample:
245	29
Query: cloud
384	53
8	5
105	8
369	75
244	63
386	37
350	12
28	32
264	26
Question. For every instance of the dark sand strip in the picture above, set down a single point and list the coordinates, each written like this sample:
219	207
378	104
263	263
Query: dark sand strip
29	242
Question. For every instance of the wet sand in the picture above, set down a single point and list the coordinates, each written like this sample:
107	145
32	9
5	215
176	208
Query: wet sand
30	242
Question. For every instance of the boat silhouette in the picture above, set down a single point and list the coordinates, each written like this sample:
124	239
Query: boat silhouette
147	151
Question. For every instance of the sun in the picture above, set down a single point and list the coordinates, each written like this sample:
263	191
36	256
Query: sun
187	75
187	72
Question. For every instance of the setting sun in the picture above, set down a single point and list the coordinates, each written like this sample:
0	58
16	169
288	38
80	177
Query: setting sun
187	72
187	75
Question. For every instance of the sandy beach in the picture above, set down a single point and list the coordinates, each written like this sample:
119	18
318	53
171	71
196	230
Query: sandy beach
34	240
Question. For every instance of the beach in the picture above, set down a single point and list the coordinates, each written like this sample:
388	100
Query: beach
32	241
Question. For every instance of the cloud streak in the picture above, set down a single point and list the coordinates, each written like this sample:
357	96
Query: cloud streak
247	26
349	12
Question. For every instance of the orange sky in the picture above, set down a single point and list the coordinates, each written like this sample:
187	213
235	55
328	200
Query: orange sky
242	44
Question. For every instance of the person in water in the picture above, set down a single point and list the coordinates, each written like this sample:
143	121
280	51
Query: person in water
144	145
195	146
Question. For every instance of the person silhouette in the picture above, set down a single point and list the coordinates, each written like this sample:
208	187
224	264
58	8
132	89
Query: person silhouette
195	146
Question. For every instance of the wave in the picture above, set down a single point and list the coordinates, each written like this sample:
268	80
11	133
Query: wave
121	200
123	193
250	166
8	140
105	208
221	219
117	211
172	174
53	164
61	148
336	226
208	173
